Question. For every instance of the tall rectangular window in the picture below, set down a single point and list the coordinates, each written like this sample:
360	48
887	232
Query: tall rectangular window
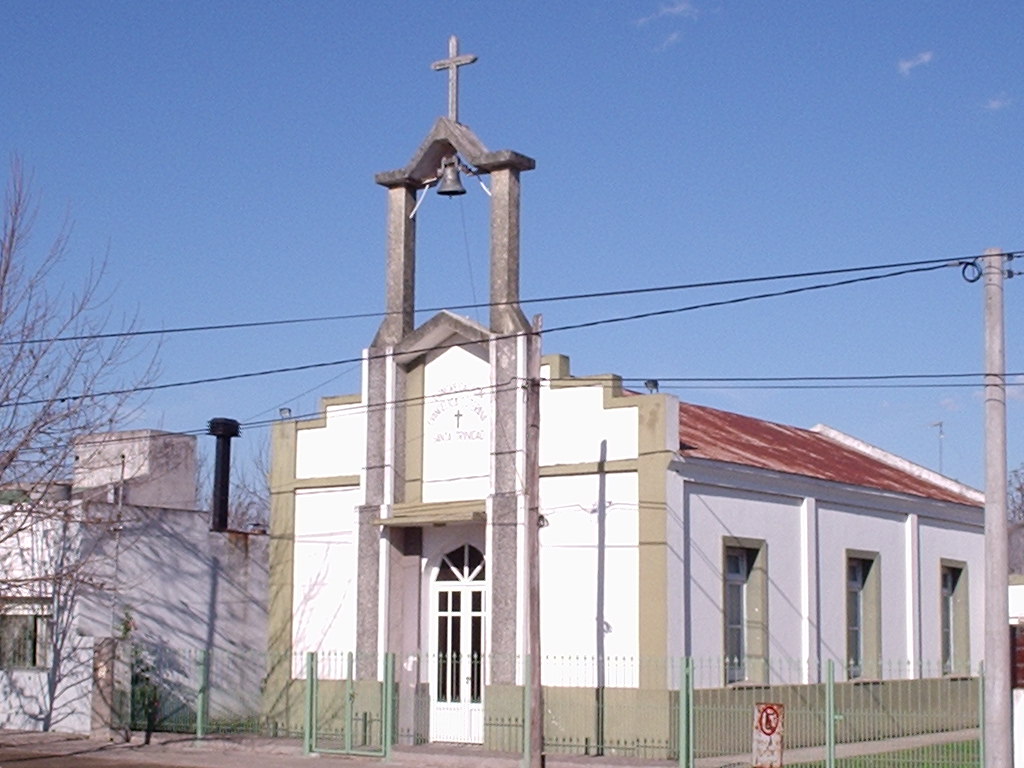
856	574
737	571
863	616
745	610
954	637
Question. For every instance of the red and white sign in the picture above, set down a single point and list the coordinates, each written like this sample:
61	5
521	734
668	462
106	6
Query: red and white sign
767	736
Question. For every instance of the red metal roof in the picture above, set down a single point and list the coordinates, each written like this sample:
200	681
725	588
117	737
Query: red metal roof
708	433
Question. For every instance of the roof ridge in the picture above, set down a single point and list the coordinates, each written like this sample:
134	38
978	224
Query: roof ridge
898	462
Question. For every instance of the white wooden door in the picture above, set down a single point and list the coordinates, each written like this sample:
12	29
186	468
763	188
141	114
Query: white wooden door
457	641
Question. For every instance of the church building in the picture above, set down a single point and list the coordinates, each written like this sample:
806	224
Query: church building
666	530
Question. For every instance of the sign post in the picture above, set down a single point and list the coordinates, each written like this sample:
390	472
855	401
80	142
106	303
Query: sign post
767	736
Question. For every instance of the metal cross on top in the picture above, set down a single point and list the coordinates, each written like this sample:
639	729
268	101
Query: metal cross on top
452	64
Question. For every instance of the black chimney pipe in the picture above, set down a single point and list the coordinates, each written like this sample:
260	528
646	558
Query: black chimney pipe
223	430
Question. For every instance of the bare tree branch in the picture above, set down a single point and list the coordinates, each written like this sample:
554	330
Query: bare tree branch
1015	497
49	389
51	396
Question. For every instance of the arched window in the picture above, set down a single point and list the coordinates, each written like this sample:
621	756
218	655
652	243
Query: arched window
464	564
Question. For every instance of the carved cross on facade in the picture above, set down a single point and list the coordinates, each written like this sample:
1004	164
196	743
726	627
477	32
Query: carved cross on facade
458	419
452	64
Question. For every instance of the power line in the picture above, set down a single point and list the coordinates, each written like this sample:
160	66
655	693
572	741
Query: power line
879	385
418	399
753	297
837	382
357	407
934	265
783	379
882	381
956	261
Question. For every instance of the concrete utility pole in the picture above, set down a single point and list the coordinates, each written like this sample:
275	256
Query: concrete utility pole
536	692
997	637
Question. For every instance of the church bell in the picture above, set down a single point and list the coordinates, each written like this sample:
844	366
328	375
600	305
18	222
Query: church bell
451	184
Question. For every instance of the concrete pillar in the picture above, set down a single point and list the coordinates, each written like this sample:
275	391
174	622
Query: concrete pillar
400	276
810	601
506	316
111	691
506	509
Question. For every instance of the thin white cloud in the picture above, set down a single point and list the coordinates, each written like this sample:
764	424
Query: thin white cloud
682	8
1015	388
906	65
669	41
1002	101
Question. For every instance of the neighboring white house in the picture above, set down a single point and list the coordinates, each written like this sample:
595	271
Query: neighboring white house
670	529
102	567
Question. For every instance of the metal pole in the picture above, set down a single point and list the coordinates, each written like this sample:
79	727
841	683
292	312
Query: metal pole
681	738
981	712
997	638
350	695
202	697
309	722
691	715
388	702
535	692
527	738
599	639
830	715
685	714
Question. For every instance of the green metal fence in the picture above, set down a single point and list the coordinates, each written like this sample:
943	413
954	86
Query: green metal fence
675	710
344	715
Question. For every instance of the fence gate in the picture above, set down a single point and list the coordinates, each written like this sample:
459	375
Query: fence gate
346	716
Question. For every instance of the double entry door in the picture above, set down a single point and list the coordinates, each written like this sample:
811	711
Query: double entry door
458	607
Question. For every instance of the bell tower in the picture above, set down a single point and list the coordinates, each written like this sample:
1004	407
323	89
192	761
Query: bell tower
397	509
451	147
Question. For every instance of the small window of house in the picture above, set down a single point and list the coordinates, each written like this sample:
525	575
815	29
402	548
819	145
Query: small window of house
863	616
24	640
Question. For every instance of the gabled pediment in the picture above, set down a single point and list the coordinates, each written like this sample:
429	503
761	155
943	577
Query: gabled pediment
444	328
445	139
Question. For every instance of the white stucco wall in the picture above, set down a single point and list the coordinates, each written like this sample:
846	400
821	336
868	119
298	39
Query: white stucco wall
152	468
187	589
569	577
842	528
25	703
715	513
324	571
31	548
1016	603
940	540
457	417
675	531
576	421
184	588
337	448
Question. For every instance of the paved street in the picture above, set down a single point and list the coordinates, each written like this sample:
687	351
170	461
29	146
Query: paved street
47	750
51	750
13	757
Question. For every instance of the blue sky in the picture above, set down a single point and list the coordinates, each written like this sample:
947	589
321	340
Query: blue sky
221	155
